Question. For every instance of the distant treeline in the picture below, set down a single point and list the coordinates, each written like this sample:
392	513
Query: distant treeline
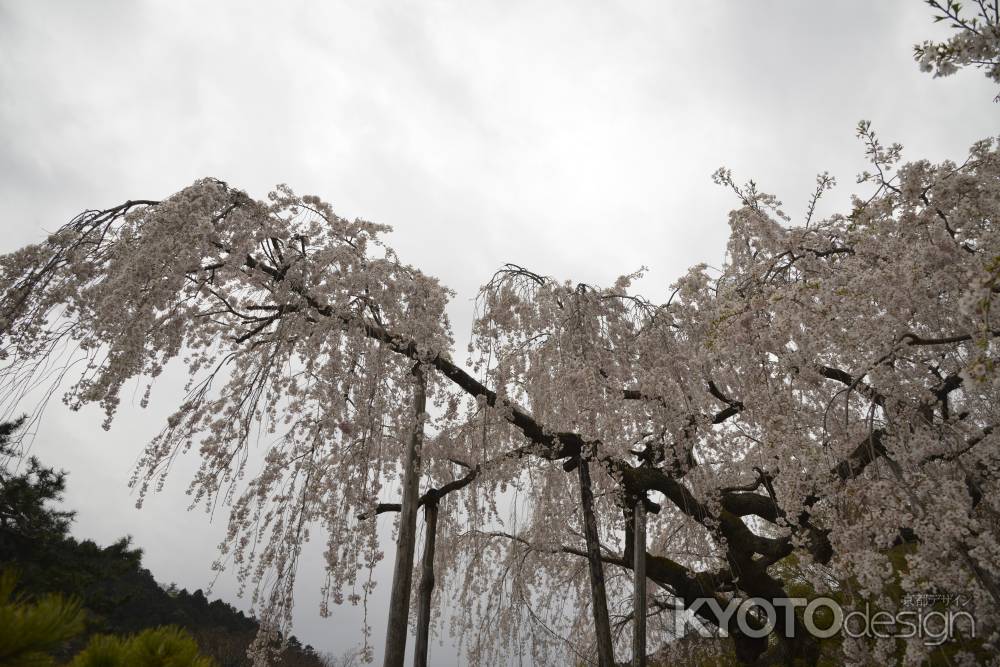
119	596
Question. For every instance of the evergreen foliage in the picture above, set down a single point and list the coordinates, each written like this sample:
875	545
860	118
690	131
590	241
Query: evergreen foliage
156	647
31	631
69	592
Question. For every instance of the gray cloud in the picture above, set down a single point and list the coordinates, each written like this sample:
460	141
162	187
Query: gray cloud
576	138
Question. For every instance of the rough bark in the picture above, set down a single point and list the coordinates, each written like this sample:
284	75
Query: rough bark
602	623
426	587
399	599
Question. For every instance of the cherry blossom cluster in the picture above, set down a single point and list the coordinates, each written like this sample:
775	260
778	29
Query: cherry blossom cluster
819	412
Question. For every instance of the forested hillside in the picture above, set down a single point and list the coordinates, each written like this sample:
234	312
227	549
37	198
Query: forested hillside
119	595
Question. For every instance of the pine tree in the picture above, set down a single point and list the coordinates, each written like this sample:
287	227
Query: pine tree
31	630
26	520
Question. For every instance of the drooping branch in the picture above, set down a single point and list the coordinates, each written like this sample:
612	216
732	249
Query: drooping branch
281	298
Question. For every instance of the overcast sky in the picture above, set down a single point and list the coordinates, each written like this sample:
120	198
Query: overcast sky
575	138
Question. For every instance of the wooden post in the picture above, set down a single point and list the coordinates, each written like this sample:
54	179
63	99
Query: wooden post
639	570
602	623
426	587
402	574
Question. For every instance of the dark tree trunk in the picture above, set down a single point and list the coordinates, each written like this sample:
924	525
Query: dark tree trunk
426	585
639	570
402	574
602	623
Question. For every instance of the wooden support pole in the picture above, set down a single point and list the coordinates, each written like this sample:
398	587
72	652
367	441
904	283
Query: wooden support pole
602	622
426	588
399	598
639	571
